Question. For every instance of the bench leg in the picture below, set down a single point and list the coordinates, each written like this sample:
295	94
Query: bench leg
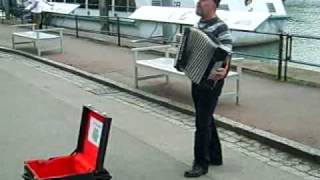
36	45
135	76
238	91
39	52
136	85
61	46
239	71
167	79
13	42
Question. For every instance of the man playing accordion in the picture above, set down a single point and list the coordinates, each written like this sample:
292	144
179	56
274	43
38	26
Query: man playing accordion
207	148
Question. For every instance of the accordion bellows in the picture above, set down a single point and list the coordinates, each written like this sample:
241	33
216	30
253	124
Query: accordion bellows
199	53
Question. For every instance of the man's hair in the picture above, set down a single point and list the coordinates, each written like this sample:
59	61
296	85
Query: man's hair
217	2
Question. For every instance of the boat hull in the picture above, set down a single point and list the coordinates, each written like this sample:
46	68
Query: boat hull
151	29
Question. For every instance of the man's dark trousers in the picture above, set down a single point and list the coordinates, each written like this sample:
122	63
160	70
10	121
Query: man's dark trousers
207	147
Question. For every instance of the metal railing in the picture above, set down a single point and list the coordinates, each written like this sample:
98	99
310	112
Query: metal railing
285	42
279	57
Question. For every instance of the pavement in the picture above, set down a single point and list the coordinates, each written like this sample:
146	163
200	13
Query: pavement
40	116
285	109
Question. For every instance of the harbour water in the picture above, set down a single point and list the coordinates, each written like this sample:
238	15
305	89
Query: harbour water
304	20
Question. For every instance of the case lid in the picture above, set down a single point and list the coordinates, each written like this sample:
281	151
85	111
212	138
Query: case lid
93	138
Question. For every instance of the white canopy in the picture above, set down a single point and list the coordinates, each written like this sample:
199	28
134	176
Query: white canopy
275	7
235	20
61	8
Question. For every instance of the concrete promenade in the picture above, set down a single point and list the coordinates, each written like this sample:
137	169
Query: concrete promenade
40	116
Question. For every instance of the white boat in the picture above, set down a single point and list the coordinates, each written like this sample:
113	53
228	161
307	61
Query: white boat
275	23
258	16
148	18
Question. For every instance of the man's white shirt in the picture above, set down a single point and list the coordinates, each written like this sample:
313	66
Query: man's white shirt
38	8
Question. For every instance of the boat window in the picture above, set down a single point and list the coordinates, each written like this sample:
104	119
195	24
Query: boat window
156	3
120	5
177	3
125	5
271	7
57	1
81	2
247	2
71	1
224	7
93	4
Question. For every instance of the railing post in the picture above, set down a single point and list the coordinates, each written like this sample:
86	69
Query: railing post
181	28
45	18
77	25
22	17
289	55
288	37
118	31
106	25
280	57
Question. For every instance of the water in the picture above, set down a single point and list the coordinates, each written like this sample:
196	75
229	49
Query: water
304	20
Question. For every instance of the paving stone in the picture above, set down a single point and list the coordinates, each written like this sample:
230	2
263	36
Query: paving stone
251	148
223	136
243	144
302	167
296	160
251	141
263	159
311	178
315	173
231	133
231	139
289	163
273	163
276	158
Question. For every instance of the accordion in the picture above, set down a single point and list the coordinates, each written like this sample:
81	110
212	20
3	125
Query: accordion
199	55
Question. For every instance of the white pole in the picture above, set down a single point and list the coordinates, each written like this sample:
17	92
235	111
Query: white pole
128	4
113	7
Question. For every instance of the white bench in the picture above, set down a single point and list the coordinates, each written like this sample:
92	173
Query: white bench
36	37
165	67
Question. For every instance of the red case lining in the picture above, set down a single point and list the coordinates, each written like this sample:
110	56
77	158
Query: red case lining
82	162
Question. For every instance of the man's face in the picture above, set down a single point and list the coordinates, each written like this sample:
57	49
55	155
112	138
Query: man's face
205	7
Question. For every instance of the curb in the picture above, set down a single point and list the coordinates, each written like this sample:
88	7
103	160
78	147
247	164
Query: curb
265	137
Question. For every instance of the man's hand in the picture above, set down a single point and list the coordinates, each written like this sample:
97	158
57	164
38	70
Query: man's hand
219	74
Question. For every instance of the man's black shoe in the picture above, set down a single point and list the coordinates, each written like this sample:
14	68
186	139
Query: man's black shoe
196	171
